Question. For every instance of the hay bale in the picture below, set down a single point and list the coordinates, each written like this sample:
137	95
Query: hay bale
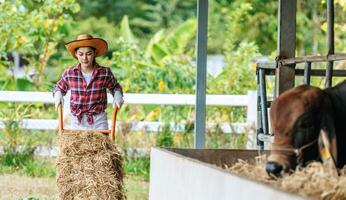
89	166
314	181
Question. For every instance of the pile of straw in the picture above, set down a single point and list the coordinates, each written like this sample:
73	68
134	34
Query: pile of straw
89	167
314	181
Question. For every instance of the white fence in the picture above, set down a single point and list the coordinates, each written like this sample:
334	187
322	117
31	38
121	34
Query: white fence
249	101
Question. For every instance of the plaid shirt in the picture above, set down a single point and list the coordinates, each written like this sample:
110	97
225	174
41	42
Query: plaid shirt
88	99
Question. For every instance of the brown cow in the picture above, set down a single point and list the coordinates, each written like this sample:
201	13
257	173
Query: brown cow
299	118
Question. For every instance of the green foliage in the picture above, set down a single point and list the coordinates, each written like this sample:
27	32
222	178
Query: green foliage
33	28
126	31
138	166
239	75
19	145
26	164
12	135
152	47
97	27
164	45
165	138
163	66
249	20
312	27
215	139
15	159
38	168
24	84
146	17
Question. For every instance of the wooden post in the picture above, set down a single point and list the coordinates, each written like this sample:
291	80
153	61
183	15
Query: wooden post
330	42
286	44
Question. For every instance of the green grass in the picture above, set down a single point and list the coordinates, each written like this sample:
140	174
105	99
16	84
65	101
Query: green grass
137	166
39	169
136	187
26	164
15	186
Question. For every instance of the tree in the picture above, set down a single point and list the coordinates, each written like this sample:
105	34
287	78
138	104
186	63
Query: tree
32	28
146	17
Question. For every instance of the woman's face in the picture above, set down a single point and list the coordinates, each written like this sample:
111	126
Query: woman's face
86	56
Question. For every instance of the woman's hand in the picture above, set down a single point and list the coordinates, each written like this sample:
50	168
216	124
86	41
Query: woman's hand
58	99
118	99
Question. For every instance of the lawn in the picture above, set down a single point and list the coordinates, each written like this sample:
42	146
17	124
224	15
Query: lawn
14	186
25	177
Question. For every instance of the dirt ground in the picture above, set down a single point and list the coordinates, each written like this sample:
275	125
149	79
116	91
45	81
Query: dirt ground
23	187
17	187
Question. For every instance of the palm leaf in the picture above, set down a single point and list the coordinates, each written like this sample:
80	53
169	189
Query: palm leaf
125	30
180	37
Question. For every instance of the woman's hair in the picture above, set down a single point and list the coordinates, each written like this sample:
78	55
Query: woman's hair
93	48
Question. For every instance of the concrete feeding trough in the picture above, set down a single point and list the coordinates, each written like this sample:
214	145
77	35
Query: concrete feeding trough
198	174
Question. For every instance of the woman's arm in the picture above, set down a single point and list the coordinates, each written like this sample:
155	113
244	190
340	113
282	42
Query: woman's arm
62	85
112	84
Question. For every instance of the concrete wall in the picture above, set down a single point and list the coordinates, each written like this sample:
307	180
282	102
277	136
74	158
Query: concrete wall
175	176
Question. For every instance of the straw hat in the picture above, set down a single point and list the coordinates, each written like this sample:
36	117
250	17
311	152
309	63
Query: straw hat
86	40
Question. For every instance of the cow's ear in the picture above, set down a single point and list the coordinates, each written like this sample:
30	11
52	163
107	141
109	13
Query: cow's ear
327	141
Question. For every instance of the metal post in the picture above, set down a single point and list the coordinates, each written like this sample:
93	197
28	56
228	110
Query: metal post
264	111
259	130
330	41
286	44
307	73
264	107
201	76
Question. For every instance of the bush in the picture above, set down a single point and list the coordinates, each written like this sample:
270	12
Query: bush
19	146
165	138
138	166
26	164
12	137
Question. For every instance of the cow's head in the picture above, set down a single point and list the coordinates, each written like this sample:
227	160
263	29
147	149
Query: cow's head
298	116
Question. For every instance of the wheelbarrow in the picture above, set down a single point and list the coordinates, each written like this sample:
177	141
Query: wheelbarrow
110	132
87	164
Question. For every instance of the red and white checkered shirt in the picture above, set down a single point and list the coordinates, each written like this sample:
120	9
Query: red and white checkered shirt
88	99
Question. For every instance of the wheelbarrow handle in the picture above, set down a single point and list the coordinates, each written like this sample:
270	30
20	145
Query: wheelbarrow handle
111	132
61	125
114	119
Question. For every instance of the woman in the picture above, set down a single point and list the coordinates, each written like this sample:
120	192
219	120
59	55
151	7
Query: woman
88	83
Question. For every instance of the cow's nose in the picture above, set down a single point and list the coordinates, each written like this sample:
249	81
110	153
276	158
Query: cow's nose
273	168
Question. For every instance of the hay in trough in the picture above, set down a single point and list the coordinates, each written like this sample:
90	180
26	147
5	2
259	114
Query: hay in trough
314	181
89	167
